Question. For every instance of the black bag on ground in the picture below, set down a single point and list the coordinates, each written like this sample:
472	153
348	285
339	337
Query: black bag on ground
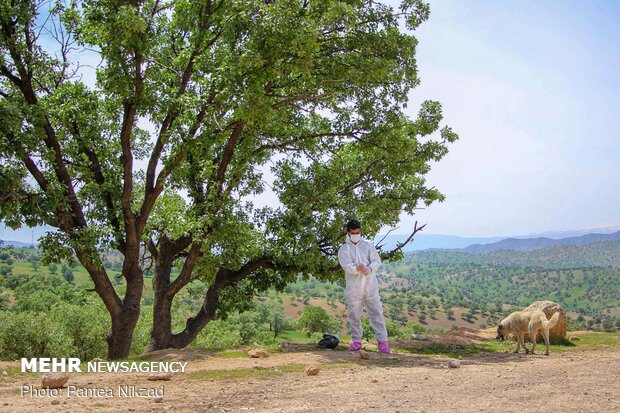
328	341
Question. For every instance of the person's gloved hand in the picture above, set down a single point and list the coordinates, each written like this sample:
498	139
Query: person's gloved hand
363	269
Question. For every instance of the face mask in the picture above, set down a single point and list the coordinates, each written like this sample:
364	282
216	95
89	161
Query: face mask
355	237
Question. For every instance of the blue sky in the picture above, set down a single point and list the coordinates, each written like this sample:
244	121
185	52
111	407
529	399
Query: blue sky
533	89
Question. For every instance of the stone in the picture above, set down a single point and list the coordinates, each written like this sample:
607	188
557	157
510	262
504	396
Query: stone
549	308
55	402
454	364
574	338
419	337
258	353
158	399
374	381
54	380
364	355
160	377
312	370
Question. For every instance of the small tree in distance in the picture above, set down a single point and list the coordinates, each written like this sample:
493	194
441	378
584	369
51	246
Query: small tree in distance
315	319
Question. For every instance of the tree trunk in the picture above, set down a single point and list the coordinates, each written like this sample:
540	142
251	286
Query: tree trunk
123	313
161	332
123	325
194	325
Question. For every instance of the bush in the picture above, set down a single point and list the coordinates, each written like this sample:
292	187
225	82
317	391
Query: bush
38	301
13	281
30	334
367	331
248	324
316	320
437	330
265	338
42	292
393	329
85	327
218	335
314	338
413	327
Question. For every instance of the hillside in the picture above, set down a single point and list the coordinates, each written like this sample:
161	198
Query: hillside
533	244
598	254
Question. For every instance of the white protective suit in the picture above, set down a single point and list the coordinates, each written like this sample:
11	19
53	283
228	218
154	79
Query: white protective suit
362	289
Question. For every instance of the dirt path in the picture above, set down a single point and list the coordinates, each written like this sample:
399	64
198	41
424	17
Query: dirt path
575	381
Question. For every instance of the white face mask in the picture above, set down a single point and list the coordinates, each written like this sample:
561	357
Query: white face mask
355	237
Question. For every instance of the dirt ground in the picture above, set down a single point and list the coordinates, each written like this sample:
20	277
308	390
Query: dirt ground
571	381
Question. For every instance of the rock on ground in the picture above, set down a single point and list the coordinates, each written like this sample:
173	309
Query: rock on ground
258	353
549	308
160	376
312	370
54	380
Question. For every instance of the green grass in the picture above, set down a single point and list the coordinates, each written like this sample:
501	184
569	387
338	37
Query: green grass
232	354
293	336
590	341
16	371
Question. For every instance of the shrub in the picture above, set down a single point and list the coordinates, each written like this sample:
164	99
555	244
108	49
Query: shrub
42	292
393	329
218	335
85	327
13	281
315	319
413	327
30	334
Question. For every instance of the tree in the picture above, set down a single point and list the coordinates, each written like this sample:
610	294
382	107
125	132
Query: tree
315	319
204	94
53	268
67	273
272	313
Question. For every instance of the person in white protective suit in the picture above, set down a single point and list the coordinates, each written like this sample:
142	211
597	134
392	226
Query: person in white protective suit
360	260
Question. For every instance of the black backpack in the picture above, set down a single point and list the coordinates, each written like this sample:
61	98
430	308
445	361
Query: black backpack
328	341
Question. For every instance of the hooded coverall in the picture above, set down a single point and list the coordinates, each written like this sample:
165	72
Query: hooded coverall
362	289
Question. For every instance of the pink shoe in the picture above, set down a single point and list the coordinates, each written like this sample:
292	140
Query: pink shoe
384	346
355	346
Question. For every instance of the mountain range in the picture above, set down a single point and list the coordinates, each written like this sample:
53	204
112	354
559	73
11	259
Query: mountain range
530	242
533	244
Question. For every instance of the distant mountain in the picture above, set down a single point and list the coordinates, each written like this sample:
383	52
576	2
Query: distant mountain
426	241
533	244
573	233
529	242
17	244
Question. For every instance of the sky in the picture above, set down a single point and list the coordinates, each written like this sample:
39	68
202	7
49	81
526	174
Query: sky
533	90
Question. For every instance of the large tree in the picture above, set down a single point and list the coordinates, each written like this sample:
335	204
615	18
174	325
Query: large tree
196	108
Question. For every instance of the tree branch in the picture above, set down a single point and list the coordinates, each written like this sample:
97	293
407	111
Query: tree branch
401	245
